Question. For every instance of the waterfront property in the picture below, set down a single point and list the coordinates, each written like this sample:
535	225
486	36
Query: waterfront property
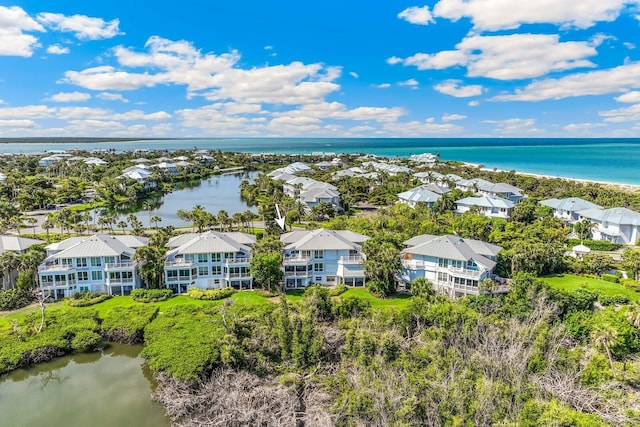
616	225
455	266
503	190
323	256
99	263
209	260
311	192
568	209
491	206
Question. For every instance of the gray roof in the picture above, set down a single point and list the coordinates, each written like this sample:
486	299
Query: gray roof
478	182
17	244
314	194
570	204
502	187
97	245
237	237
453	247
323	239
419	194
207	242
487	202
612	216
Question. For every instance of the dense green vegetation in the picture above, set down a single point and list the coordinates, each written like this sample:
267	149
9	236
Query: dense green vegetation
126	324
570	282
151	295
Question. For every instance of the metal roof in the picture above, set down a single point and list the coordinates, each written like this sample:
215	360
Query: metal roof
17	244
570	204
454	247
322	239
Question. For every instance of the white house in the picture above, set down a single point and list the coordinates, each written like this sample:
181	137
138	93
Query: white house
418	195
140	175
491	206
17	244
504	190
209	260
323	256
312	192
167	167
567	209
473	184
617	225
454	265
99	263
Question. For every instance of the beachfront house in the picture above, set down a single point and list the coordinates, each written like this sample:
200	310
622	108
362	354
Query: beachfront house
418	195
616	225
455	266
140	174
491	206
473	184
503	190
568	209
99	263
209	260
323	256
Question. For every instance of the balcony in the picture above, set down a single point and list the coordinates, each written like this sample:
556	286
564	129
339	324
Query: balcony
246	275
124	265
237	261
356	259
179	263
56	268
413	264
297	260
298	274
464	272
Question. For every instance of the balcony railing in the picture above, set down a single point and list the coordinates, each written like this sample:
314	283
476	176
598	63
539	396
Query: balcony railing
179	263
298	273
118	281
238	261
297	259
412	264
464	271
119	265
238	275
354	259
56	267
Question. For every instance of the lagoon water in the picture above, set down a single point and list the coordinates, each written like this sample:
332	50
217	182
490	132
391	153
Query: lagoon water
601	159
107	389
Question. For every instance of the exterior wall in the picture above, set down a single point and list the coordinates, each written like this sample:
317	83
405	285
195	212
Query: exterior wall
625	234
486	211
208	271
95	274
304	268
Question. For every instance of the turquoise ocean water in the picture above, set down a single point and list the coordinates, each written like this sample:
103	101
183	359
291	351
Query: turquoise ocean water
610	160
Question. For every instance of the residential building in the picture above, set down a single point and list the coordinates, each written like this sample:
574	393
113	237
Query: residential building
473	184
312	192
504	190
455	266
99	263
418	195
617	225
491	206
323	256
568	209
209	260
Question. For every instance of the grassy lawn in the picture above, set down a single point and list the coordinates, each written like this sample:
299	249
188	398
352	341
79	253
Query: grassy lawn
568	282
394	302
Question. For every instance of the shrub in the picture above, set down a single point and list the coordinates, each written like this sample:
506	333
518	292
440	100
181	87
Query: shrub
631	284
613	299
211	294
338	290
151	295
351	306
86	302
610	278
86	340
12	299
126	324
595	245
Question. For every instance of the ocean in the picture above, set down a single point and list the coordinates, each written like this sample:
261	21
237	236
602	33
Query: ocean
607	160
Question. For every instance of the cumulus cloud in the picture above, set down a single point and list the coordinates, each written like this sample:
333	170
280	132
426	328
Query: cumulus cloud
83	27
56	49
415	128
70	97
410	82
599	82
620	115
108	96
508	57
354	74
417	15
582	127
453	117
515	126
383	86
338	111
629	97
27	112
453	88
217	77
493	15
17	124
473	103
14	21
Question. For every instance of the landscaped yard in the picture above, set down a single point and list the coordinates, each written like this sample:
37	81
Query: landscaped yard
568	282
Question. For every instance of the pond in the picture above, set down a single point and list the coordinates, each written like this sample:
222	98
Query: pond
109	388
213	194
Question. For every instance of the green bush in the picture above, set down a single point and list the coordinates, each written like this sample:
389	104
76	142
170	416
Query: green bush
12	299
211	294
631	284
151	295
595	245
86	302
86	340
610	278
338	290
351	306
613	299
126	324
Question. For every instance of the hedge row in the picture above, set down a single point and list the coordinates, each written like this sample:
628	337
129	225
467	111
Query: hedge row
211	294
151	295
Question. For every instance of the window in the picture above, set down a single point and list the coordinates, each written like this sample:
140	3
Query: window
66	262
318	267
184	273
203	258
96	275
443	277
84	289
172	275
125	257
189	257
81	262
306	254
331	279
318	254
443	262
216	257
96	262
83	276
109	260
127	276
353	252
216	270
203	271
457	264
318	278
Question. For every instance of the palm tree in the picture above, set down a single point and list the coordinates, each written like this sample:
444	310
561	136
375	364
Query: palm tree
584	229
148	206
86	217
223	219
156	219
47	225
32	221
605	336
151	259
122	225
633	314
9	261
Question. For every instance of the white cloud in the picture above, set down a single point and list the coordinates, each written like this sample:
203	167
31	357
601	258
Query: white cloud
56	49
294	125
509	57
180	63
416	128
453	88
394	60
600	82
83	27
582	127
338	111
452	117
211	119
14	21
515	126
629	97
354	74
621	115
27	112
473	103
107	96
410	82
70	97
141	115
233	108
268	47
383	86
17	124
493	15
629	45
417	15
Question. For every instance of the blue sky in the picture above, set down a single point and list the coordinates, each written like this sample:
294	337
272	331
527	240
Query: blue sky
447	68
